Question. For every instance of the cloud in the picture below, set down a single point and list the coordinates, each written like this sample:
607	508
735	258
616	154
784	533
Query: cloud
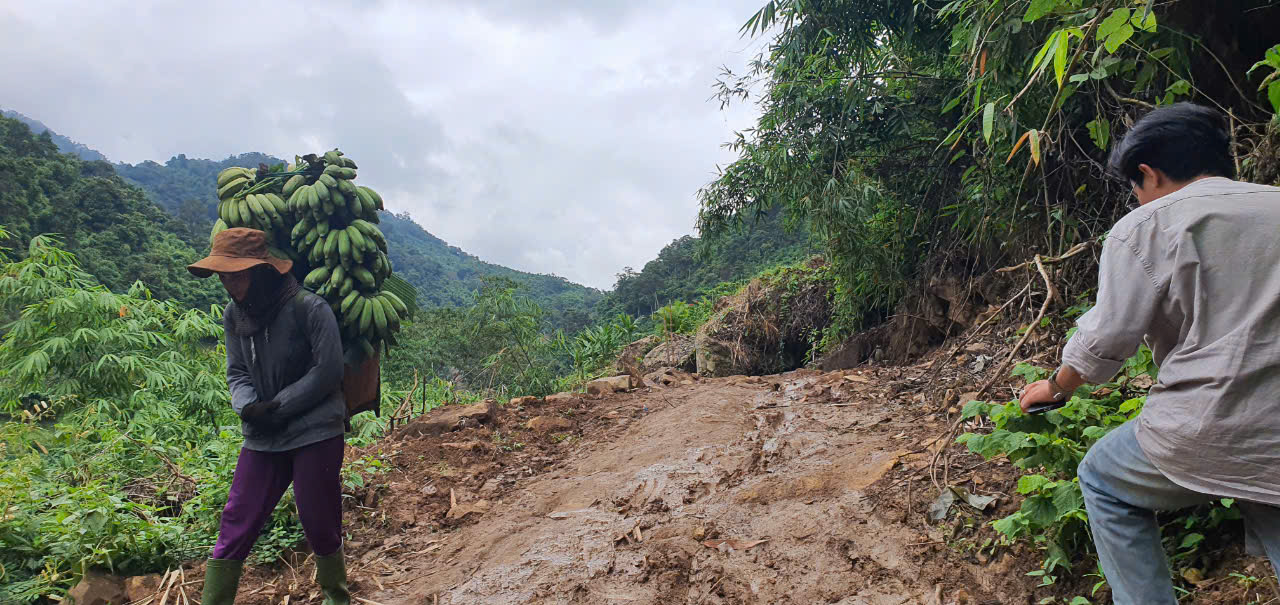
566	137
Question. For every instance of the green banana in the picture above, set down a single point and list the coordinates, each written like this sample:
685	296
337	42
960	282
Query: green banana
232	173
364	277
333	157
255	206
218	227
379	316
331	245
324	227
316	277
291	186
231	188
313	198
367	348
401	309
322	192
393	315
298	200
354	205
376	198
346	173
299	231
349	163
315	258
348	301
344	247
347	188
311	238
277	202
366	316
337	276
352	317
372	232
357	239
348	286
328	180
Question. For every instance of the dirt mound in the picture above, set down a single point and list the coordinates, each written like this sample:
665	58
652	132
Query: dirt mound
768	326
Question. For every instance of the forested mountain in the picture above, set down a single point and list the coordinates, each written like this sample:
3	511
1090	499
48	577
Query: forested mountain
65	145
444	275
690	265
119	236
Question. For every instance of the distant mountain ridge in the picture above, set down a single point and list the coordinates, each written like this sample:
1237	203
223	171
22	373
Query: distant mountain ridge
65	145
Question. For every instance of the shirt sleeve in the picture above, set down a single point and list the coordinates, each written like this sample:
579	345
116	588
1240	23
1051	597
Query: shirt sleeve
238	379
1112	330
325	374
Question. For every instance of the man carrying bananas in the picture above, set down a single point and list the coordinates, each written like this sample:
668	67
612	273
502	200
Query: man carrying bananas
284	369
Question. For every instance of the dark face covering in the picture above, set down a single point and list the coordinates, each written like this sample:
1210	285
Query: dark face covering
268	293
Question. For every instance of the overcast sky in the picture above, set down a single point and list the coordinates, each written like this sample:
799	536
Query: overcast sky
565	137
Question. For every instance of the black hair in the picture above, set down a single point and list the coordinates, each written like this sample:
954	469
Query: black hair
1184	141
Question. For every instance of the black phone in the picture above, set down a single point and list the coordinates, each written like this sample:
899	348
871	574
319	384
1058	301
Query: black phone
1041	408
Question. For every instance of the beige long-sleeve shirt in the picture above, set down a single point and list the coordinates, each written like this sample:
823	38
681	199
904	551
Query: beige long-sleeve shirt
1197	273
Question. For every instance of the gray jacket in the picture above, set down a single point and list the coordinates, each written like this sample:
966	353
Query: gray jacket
302	369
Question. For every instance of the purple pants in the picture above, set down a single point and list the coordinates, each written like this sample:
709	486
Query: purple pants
260	481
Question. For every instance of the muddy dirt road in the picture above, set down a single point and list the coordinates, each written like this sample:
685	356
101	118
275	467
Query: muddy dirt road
739	490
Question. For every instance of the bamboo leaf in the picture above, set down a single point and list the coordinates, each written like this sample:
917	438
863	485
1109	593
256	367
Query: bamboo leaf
1060	57
1035	145
1041	58
988	121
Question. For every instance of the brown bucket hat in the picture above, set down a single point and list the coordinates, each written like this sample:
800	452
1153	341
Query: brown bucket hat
236	250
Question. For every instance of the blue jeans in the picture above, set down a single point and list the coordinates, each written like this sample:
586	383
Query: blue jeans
1122	490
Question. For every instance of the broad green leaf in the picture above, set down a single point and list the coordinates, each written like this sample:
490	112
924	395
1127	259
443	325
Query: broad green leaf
1191	541
1040	511
1032	483
1038	9
1181	87
1161	53
1119	37
1145	21
1112	23
1067	498
988	121
1079	601
1060	57
1273	94
1035	146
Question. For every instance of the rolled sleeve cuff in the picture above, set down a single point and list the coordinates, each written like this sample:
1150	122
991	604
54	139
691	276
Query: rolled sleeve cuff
1090	366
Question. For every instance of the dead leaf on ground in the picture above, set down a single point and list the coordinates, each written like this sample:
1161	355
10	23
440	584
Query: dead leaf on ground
733	544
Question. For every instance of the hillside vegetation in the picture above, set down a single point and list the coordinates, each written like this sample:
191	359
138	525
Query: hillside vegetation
118	234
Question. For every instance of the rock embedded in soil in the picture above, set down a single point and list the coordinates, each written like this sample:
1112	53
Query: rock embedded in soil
562	398
549	424
608	386
451	418
138	588
97	588
677	352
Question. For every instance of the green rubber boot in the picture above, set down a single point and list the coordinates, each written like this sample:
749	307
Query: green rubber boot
221	579
331	575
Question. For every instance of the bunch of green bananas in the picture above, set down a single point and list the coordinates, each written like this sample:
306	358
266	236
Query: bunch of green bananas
329	224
